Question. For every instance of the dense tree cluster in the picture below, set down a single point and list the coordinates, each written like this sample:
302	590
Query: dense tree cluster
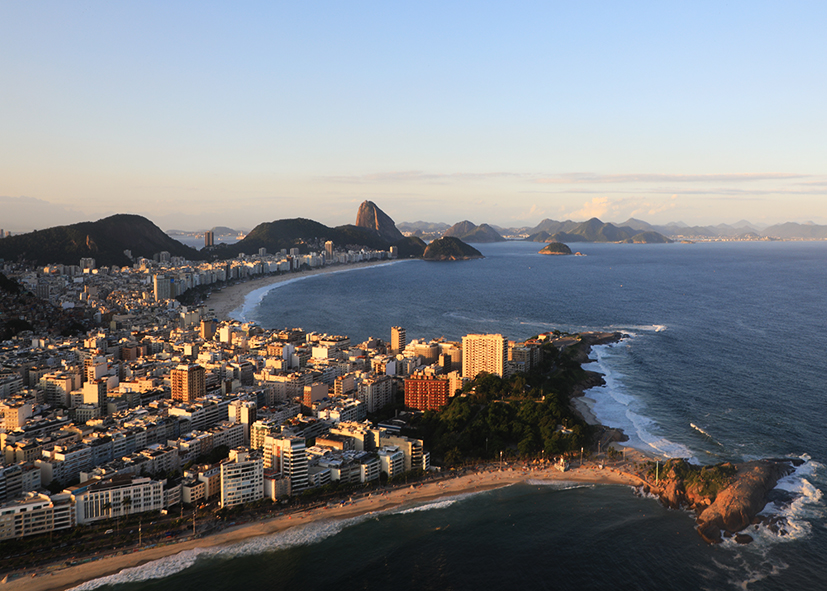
525	415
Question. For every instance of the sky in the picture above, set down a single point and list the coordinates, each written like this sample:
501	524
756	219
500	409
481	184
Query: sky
210	114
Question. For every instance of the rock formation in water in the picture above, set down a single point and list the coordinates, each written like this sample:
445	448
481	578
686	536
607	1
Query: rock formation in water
726	497
556	248
449	248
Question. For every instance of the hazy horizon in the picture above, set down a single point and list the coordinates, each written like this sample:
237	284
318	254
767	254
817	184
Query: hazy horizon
197	115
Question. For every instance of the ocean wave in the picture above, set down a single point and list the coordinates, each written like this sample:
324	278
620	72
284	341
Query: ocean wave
702	432
428	507
614	407
558	484
643	493
438	504
750	569
642	327
789	518
311	533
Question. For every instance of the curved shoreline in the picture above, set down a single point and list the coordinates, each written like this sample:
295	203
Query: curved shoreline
225	301
475	481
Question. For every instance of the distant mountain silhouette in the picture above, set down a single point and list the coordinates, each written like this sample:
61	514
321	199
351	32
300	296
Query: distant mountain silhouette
104	240
469	232
793	230
422	227
594	230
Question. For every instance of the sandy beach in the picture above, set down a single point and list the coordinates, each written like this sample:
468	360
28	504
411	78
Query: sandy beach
247	294
619	473
225	300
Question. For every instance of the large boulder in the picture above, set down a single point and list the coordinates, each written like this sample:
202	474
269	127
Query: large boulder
735	507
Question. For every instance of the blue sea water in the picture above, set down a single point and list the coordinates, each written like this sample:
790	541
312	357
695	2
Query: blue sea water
725	360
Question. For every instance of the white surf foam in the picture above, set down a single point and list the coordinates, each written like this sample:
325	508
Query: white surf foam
642	328
558	484
794	519
702	432
253	299
428	507
789	520
615	407
297	536
438	504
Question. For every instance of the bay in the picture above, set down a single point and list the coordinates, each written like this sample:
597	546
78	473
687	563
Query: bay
725	360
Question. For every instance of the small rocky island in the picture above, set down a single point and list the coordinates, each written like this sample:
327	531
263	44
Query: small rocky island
449	248
556	248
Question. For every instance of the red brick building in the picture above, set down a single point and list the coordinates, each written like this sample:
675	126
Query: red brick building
426	393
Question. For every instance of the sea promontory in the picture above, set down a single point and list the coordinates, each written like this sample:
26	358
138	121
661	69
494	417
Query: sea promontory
726	497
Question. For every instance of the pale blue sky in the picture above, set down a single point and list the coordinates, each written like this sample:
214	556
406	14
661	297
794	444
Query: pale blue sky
201	114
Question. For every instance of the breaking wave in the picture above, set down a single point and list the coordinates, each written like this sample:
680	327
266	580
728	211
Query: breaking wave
311	533
559	484
438	504
613	406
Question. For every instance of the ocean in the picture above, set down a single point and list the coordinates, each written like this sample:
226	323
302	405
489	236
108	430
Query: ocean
724	360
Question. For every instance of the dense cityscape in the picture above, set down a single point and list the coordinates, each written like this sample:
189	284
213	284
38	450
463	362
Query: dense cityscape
124	418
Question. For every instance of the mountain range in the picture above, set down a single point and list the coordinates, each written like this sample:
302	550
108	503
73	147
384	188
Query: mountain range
104	240
110	239
469	232
672	230
107	239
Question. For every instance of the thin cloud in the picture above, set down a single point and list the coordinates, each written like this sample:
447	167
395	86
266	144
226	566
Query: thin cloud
712	191
595	178
418	176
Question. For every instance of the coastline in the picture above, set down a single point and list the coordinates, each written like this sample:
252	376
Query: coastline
235	298
227	300
619	473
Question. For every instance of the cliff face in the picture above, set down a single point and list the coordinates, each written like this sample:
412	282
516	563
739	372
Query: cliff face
735	507
371	217
726	497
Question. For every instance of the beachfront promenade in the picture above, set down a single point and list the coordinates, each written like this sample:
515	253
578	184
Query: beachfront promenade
436	486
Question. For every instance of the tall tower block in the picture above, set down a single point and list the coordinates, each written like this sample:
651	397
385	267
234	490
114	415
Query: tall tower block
398	339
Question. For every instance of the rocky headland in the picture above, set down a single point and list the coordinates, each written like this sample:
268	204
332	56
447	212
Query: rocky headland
725	497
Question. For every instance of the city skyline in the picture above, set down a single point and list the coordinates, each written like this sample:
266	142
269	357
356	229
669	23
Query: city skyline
704	114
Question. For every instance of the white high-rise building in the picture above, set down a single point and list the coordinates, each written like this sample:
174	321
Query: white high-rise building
242	479
484	353
398	339
288	456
